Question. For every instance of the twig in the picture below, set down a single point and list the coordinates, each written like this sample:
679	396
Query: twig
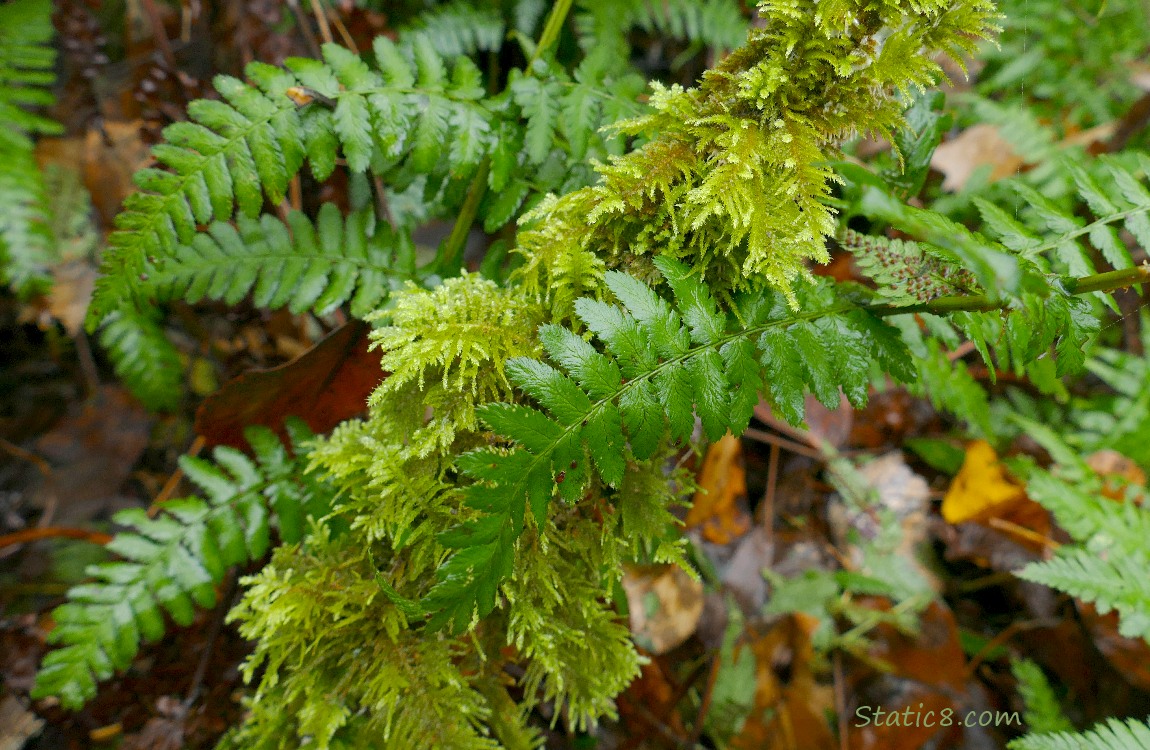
840	699
321	20
1021	531
344	34
1008	633
213	634
767	509
39	462
163	44
302	21
777	440
174	480
708	699
1135	119
87	363
24	536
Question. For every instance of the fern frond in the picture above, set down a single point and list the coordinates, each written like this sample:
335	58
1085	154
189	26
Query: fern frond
174	561
300	265
27	72
458	28
1043	714
720	26
906	272
1114	734
1047	228
1106	566
27	247
234	153
142	356
27	65
662	365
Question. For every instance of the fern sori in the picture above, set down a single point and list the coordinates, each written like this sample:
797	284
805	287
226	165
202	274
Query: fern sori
174	561
662	366
27	73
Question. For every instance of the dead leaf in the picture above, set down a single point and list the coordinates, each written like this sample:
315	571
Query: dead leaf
92	452
17	724
324	386
1129	656
982	488
71	292
1117	471
790	708
975	147
107	159
665	605
722	482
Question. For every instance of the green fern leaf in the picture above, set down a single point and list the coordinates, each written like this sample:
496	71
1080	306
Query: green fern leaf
1043	714
174	561
1113	734
27	72
661	366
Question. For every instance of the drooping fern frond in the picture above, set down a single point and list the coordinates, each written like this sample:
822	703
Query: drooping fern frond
1107	565
174	561
662	366
27	73
143	357
234	153
1043	713
1114	734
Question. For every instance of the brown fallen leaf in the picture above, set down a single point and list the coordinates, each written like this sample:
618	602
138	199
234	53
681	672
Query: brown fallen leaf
324	386
790	707
722	482
1129	656
92	452
1117	471
18	725
977	146
107	158
665	605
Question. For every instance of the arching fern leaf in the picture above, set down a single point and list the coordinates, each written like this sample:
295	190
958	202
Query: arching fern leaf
662	366
173	562
235	153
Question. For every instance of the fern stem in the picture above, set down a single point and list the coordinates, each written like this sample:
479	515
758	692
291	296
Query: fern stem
1099	282
451	254
449	257
551	29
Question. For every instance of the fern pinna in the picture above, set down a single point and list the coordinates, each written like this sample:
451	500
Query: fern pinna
27	73
174	560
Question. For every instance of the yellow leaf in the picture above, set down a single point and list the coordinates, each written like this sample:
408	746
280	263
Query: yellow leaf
982	489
